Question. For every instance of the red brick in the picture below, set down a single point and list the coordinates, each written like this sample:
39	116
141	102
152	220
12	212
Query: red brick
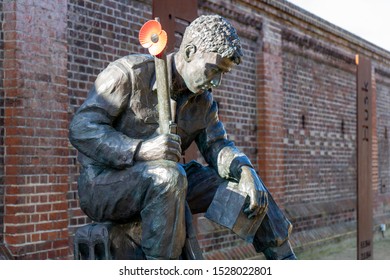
19	229
45	246
15	219
17	209
44	226
43	208
15	239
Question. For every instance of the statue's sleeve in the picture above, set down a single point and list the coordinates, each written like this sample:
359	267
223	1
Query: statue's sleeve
92	131
218	151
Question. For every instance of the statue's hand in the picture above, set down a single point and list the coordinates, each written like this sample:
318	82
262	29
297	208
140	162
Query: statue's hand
164	146
253	187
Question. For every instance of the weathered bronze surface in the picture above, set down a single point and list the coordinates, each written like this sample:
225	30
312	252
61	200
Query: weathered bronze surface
130	168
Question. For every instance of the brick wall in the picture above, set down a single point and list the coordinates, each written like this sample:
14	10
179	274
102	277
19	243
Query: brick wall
382	202
319	134
270	109
1	124
36	129
309	157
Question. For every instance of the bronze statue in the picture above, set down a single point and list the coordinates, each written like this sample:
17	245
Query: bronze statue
130	170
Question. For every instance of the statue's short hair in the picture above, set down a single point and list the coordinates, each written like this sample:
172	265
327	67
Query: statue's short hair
213	33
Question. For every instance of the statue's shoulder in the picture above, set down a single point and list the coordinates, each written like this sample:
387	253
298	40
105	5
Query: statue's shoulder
134	61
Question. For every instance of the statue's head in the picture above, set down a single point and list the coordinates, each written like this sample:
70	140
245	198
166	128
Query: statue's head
210	48
213	33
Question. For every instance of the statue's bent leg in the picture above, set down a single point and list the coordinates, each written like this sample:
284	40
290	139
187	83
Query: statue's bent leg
163	212
273	233
203	183
272	237
154	191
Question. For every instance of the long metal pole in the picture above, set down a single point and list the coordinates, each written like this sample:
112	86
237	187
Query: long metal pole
163	95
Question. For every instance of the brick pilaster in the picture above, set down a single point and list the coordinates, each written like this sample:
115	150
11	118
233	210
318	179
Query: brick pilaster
270	109
35	129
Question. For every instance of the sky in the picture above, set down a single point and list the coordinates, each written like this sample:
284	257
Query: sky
368	19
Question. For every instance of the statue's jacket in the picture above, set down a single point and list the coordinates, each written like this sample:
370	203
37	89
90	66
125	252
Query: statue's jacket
120	112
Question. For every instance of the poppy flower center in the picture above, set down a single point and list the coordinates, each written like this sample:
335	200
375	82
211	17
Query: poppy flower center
154	38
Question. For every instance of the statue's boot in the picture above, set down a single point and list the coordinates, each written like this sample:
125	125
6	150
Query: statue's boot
283	252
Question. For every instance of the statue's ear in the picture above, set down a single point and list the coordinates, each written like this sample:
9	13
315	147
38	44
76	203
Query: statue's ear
190	50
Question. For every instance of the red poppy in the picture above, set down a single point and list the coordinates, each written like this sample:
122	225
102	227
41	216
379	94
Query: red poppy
152	37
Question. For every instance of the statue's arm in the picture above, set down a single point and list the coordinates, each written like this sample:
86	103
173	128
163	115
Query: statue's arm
218	151
231	163
91	130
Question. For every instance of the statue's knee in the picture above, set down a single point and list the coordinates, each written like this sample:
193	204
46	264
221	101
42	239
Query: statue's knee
171	178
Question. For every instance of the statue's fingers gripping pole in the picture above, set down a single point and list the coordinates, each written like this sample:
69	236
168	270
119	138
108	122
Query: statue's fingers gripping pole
152	37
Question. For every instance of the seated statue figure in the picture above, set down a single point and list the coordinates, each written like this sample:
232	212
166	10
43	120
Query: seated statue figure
129	169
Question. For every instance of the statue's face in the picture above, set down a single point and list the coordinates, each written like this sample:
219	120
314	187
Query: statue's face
204	70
